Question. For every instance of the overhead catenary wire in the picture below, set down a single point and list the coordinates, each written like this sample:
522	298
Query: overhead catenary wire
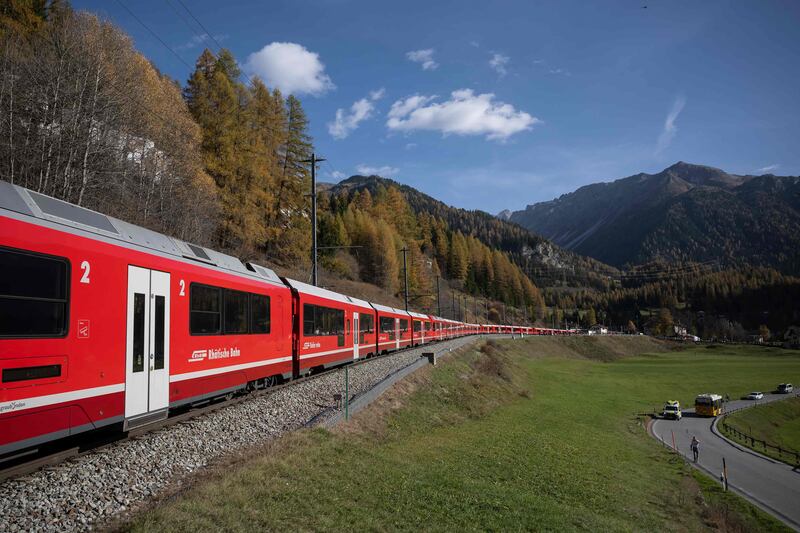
201	37
665	273
153	33
210	35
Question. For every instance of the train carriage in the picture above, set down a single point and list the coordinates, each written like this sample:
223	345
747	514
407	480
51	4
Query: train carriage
434	332
451	328
99	326
394	328
328	326
420	328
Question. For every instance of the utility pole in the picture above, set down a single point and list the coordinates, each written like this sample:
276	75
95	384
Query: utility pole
314	160
487	310
405	275
438	298
452	304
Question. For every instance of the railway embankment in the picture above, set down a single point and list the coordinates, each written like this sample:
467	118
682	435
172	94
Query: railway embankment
98	488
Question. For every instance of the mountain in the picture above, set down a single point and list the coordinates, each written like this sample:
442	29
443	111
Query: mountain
546	263
684	213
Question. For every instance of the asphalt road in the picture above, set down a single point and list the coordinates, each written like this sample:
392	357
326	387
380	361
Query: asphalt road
772	485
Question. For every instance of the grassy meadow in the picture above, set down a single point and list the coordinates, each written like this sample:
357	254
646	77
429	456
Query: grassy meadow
533	434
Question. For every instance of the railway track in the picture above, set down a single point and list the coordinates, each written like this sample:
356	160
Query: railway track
32	461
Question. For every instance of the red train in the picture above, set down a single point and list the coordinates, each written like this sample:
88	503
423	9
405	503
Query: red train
105	323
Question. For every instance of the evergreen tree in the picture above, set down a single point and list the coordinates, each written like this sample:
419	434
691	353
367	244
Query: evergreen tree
591	317
291	211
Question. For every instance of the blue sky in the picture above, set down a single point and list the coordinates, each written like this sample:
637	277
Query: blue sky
494	105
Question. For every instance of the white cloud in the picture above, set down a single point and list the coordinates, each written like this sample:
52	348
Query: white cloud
475	44
346	122
411	146
384	171
424	57
464	114
563	71
499	62
670	129
767	169
291	68
403	107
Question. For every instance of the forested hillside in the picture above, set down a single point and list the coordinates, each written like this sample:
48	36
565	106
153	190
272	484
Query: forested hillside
380	225
547	264
707	301
88	119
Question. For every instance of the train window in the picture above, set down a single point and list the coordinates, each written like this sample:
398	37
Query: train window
366	325
403	325
259	314
236	304
387	326
417	326
27	373
158	350
33	295
138	332
205	310
319	321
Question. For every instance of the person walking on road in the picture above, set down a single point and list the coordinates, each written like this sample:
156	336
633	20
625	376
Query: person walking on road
695	446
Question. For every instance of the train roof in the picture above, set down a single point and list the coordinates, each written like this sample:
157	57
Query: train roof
418	315
326	293
71	217
387	309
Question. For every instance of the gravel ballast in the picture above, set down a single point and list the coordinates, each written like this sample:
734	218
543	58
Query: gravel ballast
93	489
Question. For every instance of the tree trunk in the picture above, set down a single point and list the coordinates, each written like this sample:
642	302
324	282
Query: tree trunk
11	129
89	133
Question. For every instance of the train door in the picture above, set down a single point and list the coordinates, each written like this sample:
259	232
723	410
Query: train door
147	346
397	333
356	333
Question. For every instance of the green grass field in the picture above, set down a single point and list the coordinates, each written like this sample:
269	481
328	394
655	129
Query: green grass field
777	423
538	434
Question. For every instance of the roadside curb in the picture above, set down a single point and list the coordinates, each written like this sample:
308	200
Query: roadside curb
741	447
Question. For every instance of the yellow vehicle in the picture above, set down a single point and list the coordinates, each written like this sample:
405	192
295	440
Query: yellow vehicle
708	405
